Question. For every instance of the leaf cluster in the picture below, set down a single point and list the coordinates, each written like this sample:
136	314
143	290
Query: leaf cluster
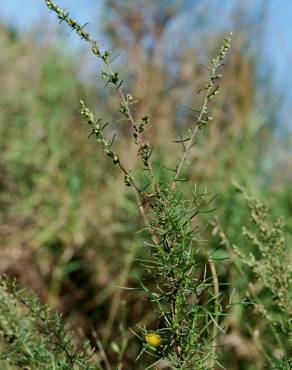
33	336
269	262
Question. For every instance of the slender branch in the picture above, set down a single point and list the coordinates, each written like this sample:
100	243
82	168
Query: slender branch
202	119
98	132
113	77
101	351
216	293
61	341
187	148
138	134
176	333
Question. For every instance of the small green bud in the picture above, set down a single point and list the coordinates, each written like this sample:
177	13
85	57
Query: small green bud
114	78
124	110
116	160
128	180
129	98
105	56
95	48
104	75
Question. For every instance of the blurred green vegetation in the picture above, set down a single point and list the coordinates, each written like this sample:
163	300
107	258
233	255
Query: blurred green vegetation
68	225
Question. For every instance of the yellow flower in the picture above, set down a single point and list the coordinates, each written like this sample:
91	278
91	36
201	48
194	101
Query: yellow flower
153	339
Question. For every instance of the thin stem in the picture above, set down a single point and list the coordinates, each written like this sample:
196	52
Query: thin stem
211	90
61	341
217	308
176	333
102	351
139	136
195	130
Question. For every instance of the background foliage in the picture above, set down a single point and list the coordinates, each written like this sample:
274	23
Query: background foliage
68	225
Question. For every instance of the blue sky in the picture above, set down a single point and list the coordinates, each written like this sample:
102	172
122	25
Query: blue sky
277	46
24	12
